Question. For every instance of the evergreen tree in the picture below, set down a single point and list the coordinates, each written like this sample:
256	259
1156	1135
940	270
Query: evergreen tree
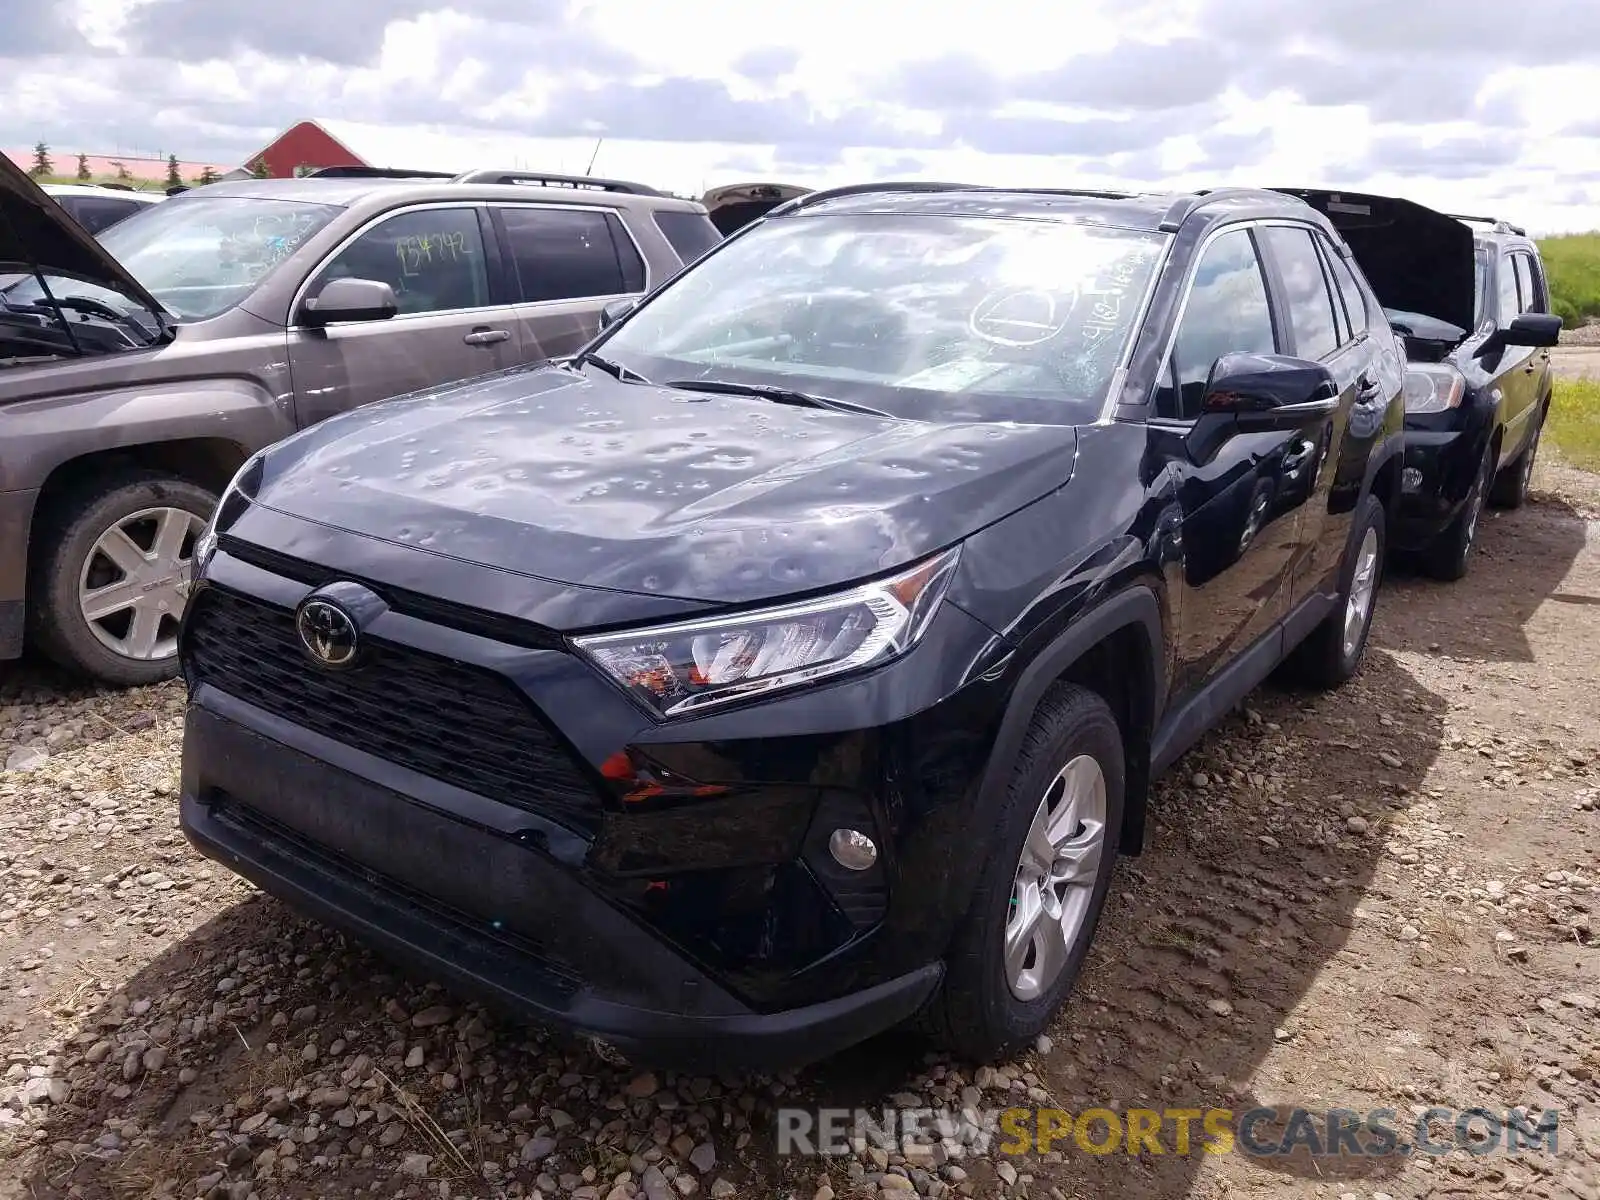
260	170
83	169
173	178
208	175
41	161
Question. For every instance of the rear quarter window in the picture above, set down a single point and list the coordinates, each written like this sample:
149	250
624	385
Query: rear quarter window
95	213
691	234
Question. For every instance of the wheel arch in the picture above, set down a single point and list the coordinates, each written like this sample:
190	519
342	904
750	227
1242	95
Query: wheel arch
1115	649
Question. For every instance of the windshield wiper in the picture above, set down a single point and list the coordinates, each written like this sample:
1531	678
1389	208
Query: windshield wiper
615	369
780	395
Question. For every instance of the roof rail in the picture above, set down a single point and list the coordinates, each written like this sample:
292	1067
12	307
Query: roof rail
1499	225
1183	206
375	173
866	189
546	179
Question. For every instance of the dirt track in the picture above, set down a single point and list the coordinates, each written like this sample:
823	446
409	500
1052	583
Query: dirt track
1379	898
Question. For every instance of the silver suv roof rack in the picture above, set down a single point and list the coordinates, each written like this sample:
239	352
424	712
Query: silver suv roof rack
375	173
1498	225
546	179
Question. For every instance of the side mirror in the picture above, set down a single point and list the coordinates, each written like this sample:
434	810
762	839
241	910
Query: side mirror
1253	393
1534	329
1269	391
1528	329
615	311
350	300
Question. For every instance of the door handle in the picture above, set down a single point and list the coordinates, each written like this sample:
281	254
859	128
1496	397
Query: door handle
1297	458
486	337
1368	389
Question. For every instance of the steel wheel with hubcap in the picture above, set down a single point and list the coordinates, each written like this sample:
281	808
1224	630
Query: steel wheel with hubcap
135	581
109	588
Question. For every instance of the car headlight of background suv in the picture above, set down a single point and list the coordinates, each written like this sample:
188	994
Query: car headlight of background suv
690	666
1433	387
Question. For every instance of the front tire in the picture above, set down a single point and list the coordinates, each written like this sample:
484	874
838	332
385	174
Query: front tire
1447	555
111	581
1332	653
1039	898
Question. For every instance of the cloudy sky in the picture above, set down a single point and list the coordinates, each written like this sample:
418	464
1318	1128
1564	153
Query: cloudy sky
1468	104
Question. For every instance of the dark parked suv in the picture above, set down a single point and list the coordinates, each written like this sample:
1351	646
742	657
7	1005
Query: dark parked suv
796	658
139	371
1468	295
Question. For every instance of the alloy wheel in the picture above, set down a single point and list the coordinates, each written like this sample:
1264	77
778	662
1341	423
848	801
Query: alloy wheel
1053	888
1363	586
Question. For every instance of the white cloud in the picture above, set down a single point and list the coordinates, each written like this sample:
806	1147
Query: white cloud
1423	101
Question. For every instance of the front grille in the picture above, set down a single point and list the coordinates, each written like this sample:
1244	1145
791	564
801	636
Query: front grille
449	721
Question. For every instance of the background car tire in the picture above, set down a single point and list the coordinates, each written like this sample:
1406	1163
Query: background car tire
1447	556
66	535
975	1014
1328	658
1512	485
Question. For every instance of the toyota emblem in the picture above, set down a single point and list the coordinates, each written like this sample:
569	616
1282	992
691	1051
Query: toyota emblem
327	633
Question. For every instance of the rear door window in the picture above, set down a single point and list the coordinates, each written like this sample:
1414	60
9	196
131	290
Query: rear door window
569	253
1306	290
691	234
1530	285
1355	304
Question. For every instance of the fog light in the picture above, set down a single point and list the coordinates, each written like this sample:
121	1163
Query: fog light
1410	479
852	849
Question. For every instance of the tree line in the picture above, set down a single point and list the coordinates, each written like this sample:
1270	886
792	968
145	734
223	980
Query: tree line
44	167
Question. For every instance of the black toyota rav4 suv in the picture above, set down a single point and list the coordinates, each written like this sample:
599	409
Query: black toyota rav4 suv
795	659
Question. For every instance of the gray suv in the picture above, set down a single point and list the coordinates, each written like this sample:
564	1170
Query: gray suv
138	372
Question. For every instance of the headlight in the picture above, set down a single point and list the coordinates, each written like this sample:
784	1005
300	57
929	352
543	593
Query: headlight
1433	388
231	504
691	666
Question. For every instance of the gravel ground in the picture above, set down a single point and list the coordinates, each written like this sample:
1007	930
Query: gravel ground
1383	897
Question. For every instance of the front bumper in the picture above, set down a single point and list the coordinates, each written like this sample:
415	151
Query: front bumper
1440	465
483	901
672	878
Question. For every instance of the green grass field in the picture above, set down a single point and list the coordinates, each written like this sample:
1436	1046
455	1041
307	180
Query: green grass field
1573	264
1573	427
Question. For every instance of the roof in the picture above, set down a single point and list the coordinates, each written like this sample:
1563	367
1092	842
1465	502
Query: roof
344	191
1132	210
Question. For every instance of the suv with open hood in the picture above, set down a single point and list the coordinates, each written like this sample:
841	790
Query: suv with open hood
137	372
796	657
1469	298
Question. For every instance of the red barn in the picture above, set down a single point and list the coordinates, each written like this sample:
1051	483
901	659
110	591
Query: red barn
307	144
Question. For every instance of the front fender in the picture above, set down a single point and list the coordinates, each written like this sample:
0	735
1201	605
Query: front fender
41	436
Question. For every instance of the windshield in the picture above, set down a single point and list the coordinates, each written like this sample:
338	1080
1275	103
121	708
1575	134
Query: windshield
198	255
883	308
